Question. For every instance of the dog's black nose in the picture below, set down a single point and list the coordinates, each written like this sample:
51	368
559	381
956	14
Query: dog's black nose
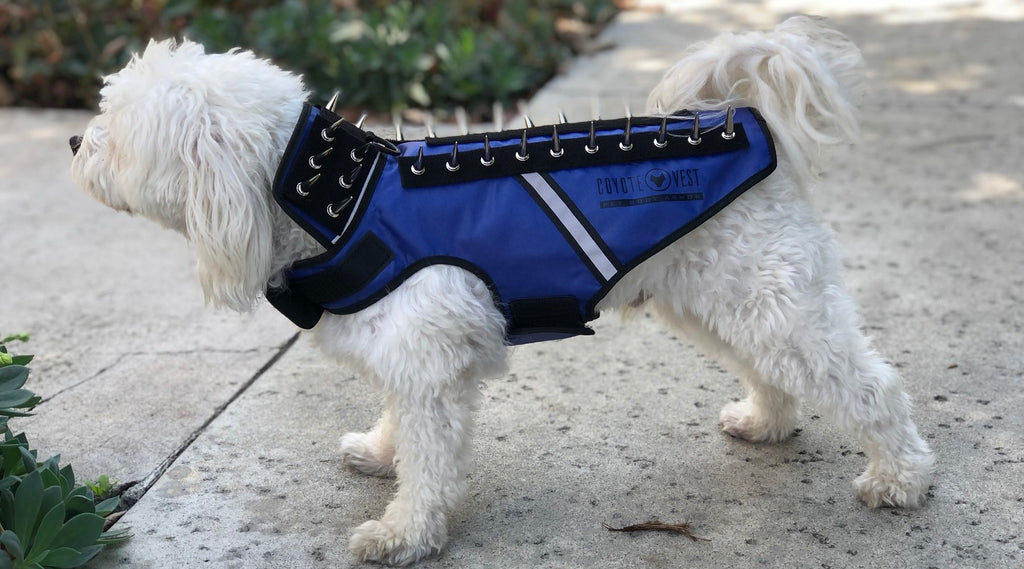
76	143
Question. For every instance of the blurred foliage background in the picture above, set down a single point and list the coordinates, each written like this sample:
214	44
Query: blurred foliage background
384	56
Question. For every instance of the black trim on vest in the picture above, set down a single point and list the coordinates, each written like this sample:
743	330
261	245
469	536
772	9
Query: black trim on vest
364	262
557	314
295	307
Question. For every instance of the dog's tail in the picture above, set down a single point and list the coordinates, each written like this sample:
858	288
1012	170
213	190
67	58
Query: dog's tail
802	76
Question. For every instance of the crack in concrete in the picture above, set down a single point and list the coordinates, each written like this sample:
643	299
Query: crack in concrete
138	489
126	355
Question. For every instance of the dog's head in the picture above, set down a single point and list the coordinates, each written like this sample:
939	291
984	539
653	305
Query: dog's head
192	141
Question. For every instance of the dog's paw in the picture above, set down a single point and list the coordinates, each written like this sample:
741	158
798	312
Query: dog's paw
907	488
741	420
366	453
380	542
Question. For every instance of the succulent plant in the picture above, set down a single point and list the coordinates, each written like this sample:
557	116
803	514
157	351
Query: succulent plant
46	519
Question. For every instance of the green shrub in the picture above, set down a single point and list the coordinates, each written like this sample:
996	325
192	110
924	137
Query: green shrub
46	519
383	56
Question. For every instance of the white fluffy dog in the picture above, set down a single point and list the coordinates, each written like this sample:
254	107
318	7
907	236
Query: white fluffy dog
193	141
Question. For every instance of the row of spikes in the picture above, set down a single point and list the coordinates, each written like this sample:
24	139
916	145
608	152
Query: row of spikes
462	120
453	165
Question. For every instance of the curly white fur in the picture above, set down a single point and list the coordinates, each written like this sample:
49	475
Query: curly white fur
192	141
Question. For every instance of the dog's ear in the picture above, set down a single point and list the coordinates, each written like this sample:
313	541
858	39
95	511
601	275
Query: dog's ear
228	219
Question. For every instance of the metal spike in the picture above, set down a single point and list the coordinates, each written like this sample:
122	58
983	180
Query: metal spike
626	145
526	119
660	109
556	145
351	177
359	123
336	211
429	123
729	133
316	162
522	154
561	117
591	146
694	137
662	140
462	120
629	114
396	118
498	110
487	159
453	162
332	105
418	168
328	133
302	187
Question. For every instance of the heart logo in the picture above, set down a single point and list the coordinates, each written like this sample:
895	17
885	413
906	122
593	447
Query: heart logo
657	179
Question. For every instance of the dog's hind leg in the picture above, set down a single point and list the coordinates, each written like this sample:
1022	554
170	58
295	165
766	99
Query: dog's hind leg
768	413
765	280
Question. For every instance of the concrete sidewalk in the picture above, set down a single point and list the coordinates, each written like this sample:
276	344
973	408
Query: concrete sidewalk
234	420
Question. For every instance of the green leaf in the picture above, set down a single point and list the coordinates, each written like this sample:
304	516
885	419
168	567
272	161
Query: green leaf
23	337
22	360
16	397
68	474
67	558
6	508
47	530
80	531
12	544
28	458
107	506
115	536
26	504
13	377
79	505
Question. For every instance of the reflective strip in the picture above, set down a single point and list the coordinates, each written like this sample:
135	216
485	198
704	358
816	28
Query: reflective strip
571	224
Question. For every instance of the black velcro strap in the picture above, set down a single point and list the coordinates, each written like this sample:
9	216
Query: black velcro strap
346	277
533	315
295	307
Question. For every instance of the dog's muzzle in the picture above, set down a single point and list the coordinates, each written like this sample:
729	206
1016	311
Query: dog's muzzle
76	143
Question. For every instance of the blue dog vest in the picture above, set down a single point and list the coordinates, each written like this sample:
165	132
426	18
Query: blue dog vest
549	217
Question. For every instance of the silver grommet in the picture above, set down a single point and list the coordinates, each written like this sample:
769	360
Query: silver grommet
451	168
625	148
356	159
660	144
300	191
591	150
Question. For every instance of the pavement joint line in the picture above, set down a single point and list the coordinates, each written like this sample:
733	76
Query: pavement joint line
139	489
127	355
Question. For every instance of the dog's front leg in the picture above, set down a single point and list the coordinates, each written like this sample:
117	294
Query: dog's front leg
432	449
